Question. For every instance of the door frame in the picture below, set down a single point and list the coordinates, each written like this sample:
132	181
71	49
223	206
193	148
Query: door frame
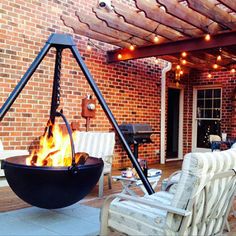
181	121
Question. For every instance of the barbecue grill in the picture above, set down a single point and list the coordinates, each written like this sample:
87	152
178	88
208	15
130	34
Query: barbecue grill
136	134
26	180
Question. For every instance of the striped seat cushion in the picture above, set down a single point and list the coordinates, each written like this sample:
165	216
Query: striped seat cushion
135	218
96	144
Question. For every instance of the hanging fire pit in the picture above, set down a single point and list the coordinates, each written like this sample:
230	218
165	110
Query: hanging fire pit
41	180
51	187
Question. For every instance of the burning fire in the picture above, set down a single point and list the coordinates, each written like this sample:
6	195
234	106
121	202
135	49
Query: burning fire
54	150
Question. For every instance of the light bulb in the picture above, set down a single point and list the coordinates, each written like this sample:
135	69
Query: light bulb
215	66
209	75
207	37
181	72
232	70
184	62
219	58
184	54
132	47
119	56
178	67
89	48
156	39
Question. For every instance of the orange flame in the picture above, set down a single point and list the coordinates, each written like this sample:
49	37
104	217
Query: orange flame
53	151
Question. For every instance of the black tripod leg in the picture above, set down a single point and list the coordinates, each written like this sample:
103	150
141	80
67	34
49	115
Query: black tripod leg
111	118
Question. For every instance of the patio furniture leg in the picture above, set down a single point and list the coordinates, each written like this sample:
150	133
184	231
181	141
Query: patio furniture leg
109	180
104	229
100	185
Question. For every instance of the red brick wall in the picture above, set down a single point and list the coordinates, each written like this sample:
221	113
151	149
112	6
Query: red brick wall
225	80
131	89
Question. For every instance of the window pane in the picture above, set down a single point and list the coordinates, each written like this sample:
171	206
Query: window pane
217	103
200	113
216	113
208	113
200	94
217	93
200	103
208	93
204	129
208	103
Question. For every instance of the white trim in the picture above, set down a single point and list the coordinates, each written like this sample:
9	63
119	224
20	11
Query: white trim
181	122
194	126
163	111
174	159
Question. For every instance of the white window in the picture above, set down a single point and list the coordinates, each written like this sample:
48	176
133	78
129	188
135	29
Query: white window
207	116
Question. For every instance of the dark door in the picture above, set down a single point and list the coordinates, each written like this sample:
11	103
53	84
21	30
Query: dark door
173	123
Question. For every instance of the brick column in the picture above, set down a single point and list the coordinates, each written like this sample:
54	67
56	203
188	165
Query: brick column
233	123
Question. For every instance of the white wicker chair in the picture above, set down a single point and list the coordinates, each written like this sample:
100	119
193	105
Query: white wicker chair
199	206
100	145
8	153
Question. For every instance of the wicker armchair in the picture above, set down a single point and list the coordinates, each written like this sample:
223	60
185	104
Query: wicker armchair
199	206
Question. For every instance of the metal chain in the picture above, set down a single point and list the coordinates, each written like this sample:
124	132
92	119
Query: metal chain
58	77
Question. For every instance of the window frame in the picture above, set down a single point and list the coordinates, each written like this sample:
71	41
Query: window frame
195	119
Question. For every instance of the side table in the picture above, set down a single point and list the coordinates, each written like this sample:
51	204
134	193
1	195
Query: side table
128	183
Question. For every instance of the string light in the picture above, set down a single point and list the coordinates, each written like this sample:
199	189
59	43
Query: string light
178	67
233	70
156	60
156	39
207	37
181	72
215	66
184	62
91	45
184	54
89	48
119	56
209	75
131	47
219	58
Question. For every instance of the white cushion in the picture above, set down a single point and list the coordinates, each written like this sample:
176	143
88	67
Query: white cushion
135	218
197	170
96	144
11	153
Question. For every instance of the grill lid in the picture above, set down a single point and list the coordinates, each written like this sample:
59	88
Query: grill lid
136	133
136	128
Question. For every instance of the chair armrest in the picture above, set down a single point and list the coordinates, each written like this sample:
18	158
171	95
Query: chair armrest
107	158
11	153
147	202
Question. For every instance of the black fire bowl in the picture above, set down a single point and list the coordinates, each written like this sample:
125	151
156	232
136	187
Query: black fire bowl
51	187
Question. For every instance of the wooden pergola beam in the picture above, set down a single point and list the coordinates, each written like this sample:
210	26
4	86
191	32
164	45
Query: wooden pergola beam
229	3
220	40
116	22
190	16
213	12
101	27
137	18
153	11
83	29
